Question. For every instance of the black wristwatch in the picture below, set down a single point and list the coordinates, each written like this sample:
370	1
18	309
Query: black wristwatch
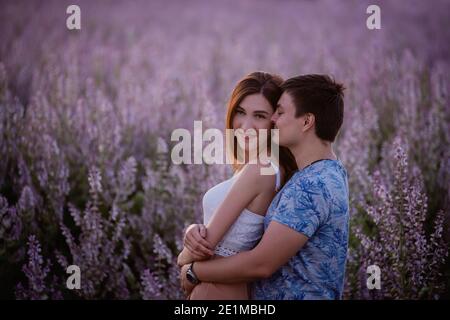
190	275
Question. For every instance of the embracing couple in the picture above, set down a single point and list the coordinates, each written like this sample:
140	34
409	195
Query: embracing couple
280	236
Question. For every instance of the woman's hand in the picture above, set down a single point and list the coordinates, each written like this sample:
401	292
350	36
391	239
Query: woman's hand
195	242
196	248
186	257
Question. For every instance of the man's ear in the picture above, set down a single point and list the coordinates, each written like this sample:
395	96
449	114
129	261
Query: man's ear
309	121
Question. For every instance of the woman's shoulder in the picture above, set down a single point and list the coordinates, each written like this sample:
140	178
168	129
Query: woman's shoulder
262	175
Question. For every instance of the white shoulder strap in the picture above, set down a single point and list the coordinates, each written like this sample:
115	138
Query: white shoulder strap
278	177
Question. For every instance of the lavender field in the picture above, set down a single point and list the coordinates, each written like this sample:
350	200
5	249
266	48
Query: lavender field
83	177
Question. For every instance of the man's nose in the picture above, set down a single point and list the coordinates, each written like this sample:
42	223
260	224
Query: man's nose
274	117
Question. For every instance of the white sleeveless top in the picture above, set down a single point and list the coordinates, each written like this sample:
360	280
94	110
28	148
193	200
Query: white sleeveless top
248	228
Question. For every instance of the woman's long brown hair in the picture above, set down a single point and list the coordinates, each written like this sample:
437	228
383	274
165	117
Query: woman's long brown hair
270	87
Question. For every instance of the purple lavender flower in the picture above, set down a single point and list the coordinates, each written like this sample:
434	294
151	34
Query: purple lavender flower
81	117
36	272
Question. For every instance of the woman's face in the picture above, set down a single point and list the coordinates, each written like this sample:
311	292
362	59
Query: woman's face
254	112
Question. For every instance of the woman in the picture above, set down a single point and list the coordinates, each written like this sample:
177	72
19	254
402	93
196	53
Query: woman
234	209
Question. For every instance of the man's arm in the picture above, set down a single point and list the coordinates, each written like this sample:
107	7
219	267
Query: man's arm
278	244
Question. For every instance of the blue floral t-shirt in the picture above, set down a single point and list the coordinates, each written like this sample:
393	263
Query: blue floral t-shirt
313	202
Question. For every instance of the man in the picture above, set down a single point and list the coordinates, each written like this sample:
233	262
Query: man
303	251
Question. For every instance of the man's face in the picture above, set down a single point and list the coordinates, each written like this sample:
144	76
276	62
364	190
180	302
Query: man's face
290	128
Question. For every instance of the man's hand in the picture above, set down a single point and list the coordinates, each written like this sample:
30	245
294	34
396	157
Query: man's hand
185	283
195	242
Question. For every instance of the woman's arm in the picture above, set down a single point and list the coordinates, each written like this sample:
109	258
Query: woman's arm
248	185
195	247
186	256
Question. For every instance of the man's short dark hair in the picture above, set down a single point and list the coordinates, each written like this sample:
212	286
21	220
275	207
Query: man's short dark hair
321	96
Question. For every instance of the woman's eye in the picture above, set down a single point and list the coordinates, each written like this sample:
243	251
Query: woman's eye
239	112
259	116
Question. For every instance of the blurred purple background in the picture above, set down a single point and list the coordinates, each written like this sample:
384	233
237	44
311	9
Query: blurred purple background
81	181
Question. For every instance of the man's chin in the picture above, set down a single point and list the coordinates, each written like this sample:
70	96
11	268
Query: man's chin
281	142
